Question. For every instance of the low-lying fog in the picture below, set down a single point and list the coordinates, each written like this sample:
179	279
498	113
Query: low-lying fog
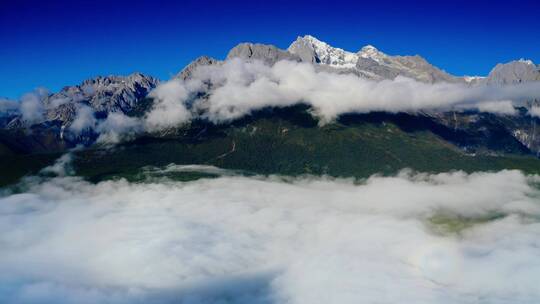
412	238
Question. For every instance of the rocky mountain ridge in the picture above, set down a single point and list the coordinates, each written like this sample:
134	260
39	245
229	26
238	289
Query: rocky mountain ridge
103	95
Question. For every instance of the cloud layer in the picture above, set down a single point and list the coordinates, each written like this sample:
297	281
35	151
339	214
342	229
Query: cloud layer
412	238
240	87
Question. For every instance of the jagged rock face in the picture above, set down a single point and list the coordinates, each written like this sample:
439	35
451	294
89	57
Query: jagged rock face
102	94
529	137
518	71
188	71
65	112
305	50
269	54
494	131
105	94
15	123
418	68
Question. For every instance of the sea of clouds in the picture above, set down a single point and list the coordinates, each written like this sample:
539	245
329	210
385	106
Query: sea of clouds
237	239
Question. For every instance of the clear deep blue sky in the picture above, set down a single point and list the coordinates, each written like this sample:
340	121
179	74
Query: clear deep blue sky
56	43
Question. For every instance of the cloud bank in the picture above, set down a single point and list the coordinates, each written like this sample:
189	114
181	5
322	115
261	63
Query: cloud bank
239	87
412	238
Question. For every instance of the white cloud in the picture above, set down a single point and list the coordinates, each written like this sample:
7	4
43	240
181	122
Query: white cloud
116	127
85	119
170	109
503	107
32	107
61	167
273	240
240	87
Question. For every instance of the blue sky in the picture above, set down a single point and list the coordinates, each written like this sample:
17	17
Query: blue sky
56	43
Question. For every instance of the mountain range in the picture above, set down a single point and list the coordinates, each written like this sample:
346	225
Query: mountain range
105	94
41	125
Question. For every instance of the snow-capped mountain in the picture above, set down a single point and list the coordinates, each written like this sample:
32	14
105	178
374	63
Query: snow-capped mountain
371	63
370	52
310	49
368	61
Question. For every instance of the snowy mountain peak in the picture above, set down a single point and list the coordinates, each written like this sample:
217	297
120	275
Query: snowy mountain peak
369	48
371	52
314	50
322	52
313	40
368	62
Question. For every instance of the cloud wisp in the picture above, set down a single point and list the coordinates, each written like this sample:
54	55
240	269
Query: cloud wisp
414	238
